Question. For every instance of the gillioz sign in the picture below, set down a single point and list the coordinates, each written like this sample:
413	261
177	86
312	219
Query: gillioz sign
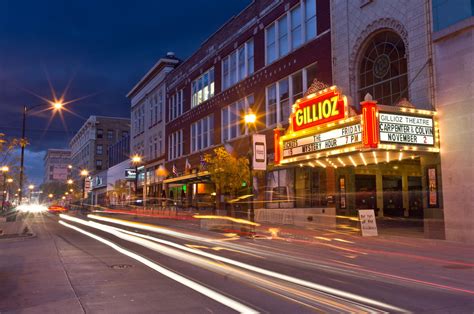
322	108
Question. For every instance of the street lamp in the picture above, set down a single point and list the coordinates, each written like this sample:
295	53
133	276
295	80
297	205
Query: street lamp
4	170
70	181
56	106
84	173
136	160
30	187
250	118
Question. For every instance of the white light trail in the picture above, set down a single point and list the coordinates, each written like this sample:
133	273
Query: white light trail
256	269
220	298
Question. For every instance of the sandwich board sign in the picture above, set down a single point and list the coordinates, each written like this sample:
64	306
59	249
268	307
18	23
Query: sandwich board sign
368	225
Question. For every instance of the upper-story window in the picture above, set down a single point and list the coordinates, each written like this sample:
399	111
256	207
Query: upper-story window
175	145
233	118
202	133
238	65
110	134
99	149
176	105
383	69
290	31
280	96
100	133
202	88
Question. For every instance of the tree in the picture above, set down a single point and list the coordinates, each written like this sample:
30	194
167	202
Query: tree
227	172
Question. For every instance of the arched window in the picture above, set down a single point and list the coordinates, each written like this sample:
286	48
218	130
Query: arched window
383	69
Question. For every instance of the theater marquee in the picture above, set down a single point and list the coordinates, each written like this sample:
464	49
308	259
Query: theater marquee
321	127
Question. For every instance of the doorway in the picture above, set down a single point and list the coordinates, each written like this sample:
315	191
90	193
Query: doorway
415	196
365	188
392	196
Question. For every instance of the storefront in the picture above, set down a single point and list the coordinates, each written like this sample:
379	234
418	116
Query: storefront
386	158
191	190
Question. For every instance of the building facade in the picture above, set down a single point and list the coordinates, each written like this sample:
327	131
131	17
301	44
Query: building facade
56	162
259	61
89	146
453	45
147	140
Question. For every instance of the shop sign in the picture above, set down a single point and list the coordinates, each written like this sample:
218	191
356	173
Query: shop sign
130	174
259	146
368	225
321	109
406	129
327	140
432	188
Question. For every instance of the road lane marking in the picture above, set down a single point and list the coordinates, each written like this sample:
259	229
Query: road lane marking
220	298
301	282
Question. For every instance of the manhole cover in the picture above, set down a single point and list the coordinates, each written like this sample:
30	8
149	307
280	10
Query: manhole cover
120	266
456	266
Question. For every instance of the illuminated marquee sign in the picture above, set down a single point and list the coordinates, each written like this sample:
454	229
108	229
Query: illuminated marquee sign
321	109
321	141
406	129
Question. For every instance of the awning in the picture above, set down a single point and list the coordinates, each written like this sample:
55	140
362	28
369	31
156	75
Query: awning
202	176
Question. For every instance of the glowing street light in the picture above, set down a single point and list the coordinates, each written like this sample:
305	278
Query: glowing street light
136	160
56	105
84	173
250	118
70	181
50	195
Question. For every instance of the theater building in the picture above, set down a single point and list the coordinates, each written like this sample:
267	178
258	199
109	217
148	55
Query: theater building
333	156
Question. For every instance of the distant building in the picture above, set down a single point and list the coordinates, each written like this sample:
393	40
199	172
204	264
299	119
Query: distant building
119	151
56	163
89	146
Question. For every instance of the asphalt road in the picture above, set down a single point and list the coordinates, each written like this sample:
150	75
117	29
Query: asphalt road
130	267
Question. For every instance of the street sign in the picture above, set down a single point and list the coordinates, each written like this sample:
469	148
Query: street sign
368	225
259	146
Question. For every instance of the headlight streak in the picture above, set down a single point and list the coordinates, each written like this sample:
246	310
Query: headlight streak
329	301
301	282
241	308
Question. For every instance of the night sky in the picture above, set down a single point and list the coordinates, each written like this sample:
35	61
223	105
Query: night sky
96	51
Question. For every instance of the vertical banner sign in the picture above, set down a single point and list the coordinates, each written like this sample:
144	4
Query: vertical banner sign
342	191
432	188
87	187
368	226
259	146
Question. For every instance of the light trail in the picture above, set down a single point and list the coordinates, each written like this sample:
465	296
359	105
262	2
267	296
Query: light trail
301	282
220	298
331	302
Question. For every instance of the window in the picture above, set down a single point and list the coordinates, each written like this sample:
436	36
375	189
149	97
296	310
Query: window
280	96
160	145
175	144
290	31
110	134
160	106
238	65
233	118
296	29
271	43
98	164
99	149
383	69
100	133
202	88
202	133
124	133
310	19
176	105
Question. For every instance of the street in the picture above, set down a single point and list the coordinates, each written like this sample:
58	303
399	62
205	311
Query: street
120	264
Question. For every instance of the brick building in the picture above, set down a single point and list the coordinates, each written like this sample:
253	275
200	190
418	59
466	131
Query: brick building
56	163
263	59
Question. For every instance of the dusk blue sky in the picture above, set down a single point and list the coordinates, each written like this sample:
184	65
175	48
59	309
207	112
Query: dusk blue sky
100	48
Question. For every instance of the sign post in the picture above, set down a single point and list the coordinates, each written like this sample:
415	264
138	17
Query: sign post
259	144
368	225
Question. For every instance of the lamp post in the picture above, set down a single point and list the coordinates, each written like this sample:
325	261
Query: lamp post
56	106
84	173
31	188
136	160
250	118
4	169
